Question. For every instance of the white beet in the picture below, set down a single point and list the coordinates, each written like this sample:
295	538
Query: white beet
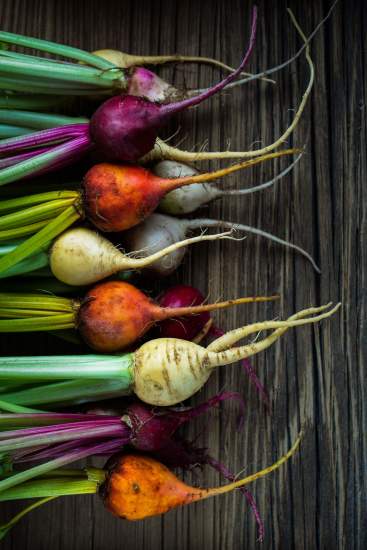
161	230
168	370
81	256
157	232
189	198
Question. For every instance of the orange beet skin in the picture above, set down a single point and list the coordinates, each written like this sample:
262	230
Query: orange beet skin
119	197
139	487
115	314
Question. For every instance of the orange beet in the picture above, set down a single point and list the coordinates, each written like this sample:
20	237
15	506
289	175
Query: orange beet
119	197
139	487
115	314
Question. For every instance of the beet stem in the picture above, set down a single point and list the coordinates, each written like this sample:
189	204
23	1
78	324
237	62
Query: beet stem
43	137
55	48
42	238
41	469
190	102
45	160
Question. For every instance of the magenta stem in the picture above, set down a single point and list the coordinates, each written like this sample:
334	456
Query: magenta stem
58	427
171	108
43	137
71	155
16	159
108	447
48	418
79	431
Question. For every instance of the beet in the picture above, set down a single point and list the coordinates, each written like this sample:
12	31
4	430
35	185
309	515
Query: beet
188	328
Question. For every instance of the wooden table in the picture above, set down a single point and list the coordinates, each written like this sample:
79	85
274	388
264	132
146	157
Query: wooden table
315	376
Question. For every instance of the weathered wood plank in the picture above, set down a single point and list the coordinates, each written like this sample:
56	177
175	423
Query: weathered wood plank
314	376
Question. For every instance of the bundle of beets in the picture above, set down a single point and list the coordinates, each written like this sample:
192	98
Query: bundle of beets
152	349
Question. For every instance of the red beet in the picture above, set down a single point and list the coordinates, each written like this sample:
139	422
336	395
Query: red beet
183	328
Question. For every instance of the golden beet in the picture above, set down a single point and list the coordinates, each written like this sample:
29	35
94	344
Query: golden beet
115	314
119	197
140	487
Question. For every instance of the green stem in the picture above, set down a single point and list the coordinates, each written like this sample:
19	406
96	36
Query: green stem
15	233
17	313
10	407
37	213
33	86
8	131
8	247
32	165
68	367
36	301
53	322
71	472
33	59
35	187
37	261
57	49
37	121
5	527
45	284
30	473
49	488
73	392
32	200
61	72
7	385
29	101
50	63
41	238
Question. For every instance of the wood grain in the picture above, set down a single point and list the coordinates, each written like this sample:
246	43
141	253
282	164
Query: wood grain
315	376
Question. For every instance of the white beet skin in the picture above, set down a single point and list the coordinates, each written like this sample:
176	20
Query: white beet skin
160	230
81	256
190	198
186	199
157	232
168	370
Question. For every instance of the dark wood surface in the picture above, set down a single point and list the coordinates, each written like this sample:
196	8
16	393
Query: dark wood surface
314	375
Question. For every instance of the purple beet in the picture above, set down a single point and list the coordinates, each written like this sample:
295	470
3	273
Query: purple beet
126	127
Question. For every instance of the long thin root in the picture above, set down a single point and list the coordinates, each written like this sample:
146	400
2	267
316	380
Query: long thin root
229	355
